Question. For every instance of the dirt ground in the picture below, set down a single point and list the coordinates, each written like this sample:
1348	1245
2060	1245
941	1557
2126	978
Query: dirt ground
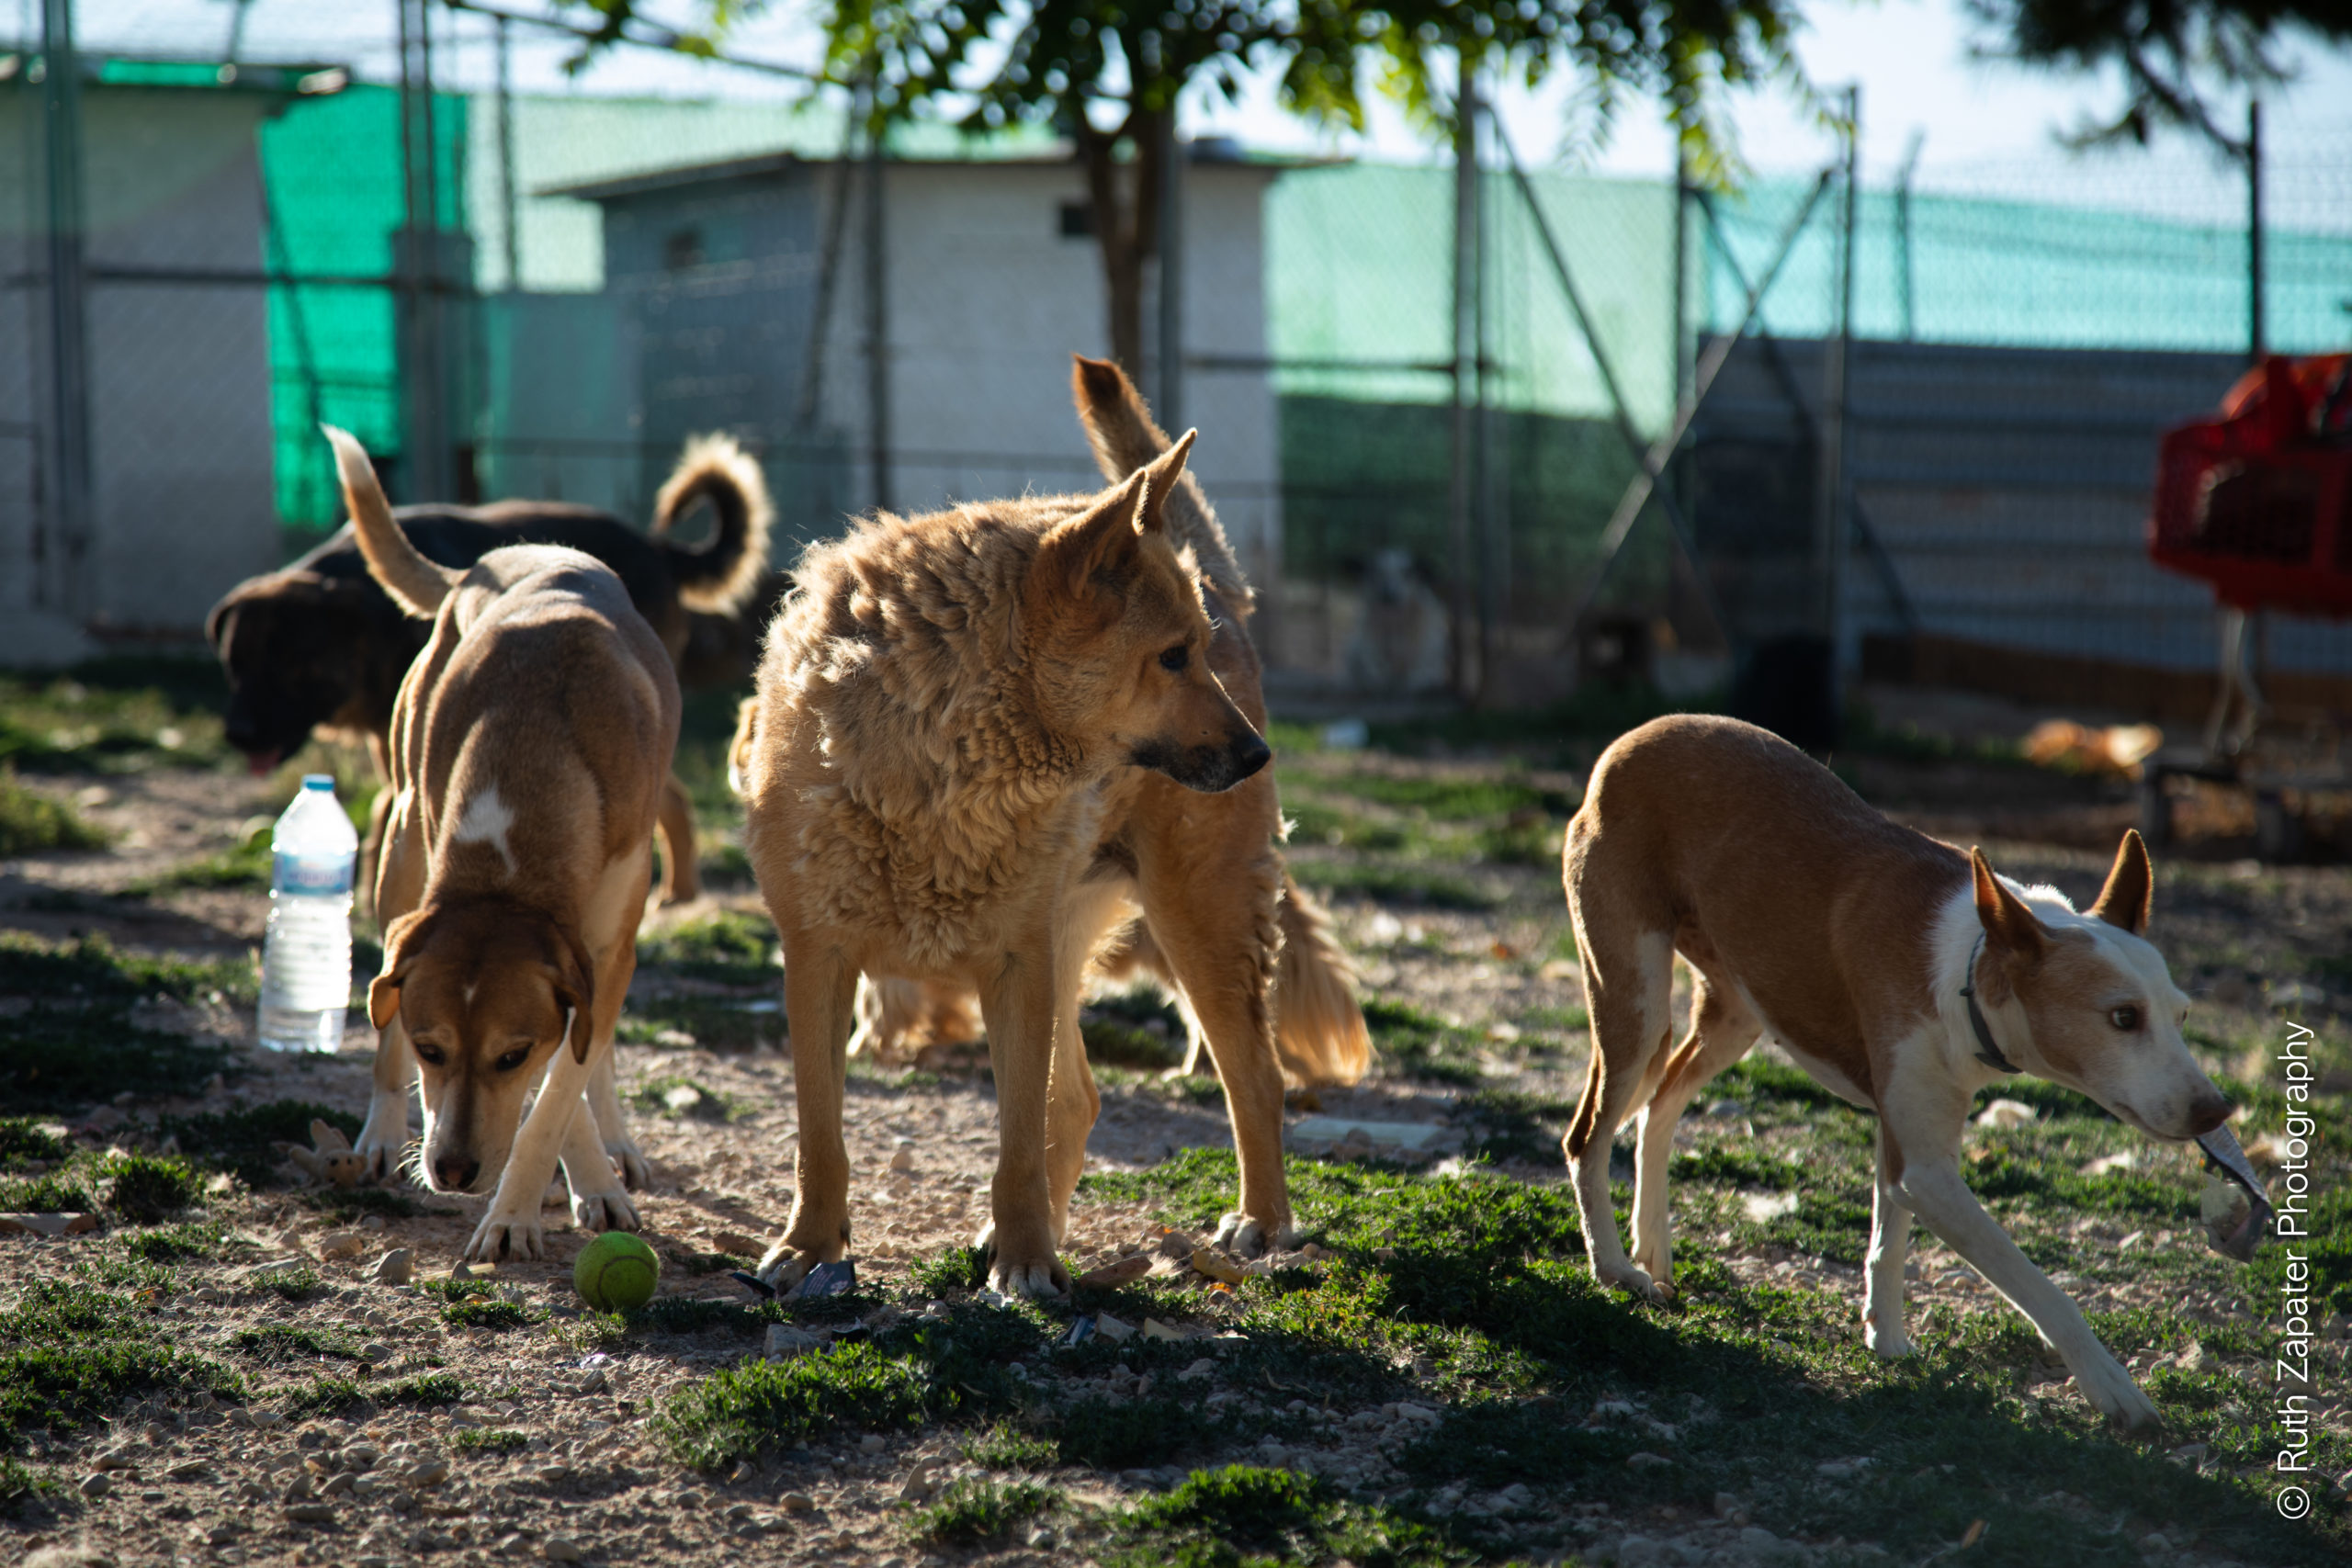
1479	945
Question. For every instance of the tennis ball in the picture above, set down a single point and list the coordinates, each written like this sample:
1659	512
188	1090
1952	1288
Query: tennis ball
616	1272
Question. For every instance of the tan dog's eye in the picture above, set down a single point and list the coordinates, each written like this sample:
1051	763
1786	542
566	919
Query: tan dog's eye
511	1060
1175	658
428	1052
2126	1018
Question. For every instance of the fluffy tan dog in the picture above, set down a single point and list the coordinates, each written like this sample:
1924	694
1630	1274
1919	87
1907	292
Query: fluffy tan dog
986	739
530	742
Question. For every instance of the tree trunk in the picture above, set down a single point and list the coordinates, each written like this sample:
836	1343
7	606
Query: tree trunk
1125	213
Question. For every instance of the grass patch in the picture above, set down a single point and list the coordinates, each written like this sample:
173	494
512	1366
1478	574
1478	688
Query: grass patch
76	1044
60	1194
737	1411
243	1141
497	1316
1450	799
488	1440
425	1391
733	948
1122	1434
113	716
31	823
292	1284
1421	1045
1006	1447
323	1396
956	1268
243	865
979	1509
69	1351
1243	1515
145	1189
24	1141
174	1243
653	1098
280	1344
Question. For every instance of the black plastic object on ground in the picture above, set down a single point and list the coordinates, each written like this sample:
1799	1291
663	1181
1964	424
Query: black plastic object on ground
1788	686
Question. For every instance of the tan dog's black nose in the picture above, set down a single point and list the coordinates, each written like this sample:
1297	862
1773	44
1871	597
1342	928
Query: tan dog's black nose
455	1172
2208	1114
1250	753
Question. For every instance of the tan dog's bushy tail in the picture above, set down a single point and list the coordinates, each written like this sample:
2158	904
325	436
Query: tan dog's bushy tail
416	584
717	577
1320	1031
1319	1034
1121	430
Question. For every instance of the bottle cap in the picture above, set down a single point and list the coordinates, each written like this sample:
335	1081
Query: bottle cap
318	781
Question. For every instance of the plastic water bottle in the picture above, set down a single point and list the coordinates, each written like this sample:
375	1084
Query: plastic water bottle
306	959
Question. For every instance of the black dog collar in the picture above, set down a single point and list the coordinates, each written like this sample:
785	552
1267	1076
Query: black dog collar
1986	1050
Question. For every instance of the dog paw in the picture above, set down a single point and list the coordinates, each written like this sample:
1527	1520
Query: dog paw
1886	1343
629	1160
1635	1281
2113	1394
383	1140
604	1211
1044	1278
1247	1237
504	1235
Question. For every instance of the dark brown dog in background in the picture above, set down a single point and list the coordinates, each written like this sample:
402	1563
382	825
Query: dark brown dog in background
320	645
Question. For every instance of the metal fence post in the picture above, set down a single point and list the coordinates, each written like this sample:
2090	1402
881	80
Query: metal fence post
1469	676
1830	544
877	322
74	585
2256	343
1171	389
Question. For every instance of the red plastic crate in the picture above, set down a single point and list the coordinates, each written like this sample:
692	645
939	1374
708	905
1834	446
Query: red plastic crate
2258	503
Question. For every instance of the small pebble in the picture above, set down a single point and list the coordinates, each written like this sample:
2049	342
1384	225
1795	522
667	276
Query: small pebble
96	1484
310	1513
796	1502
560	1549
397	1267
903	1160
870	1444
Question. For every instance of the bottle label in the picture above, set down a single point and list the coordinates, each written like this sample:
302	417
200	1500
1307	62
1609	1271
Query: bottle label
296	873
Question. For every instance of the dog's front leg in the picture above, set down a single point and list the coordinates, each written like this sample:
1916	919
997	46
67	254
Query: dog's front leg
604	1104
598	1202
511	1227
1017	1000
1883	1328
820	994
383	1140
1938	1195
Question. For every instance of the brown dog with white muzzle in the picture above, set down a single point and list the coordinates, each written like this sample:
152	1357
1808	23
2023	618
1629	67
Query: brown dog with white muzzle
1901	974
530	742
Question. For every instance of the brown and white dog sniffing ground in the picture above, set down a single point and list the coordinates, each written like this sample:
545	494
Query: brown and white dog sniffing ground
529	746
987	740
1860	946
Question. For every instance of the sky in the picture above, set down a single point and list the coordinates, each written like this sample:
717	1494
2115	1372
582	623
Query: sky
1985	126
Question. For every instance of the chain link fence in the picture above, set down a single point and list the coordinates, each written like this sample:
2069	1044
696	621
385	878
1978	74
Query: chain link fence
541	294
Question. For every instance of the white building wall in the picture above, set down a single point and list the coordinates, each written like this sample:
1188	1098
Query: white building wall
988	302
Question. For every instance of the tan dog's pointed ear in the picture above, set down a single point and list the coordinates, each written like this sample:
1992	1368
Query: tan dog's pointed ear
1095	540
1159	476
2008	925
403	939
2131	888
575	992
